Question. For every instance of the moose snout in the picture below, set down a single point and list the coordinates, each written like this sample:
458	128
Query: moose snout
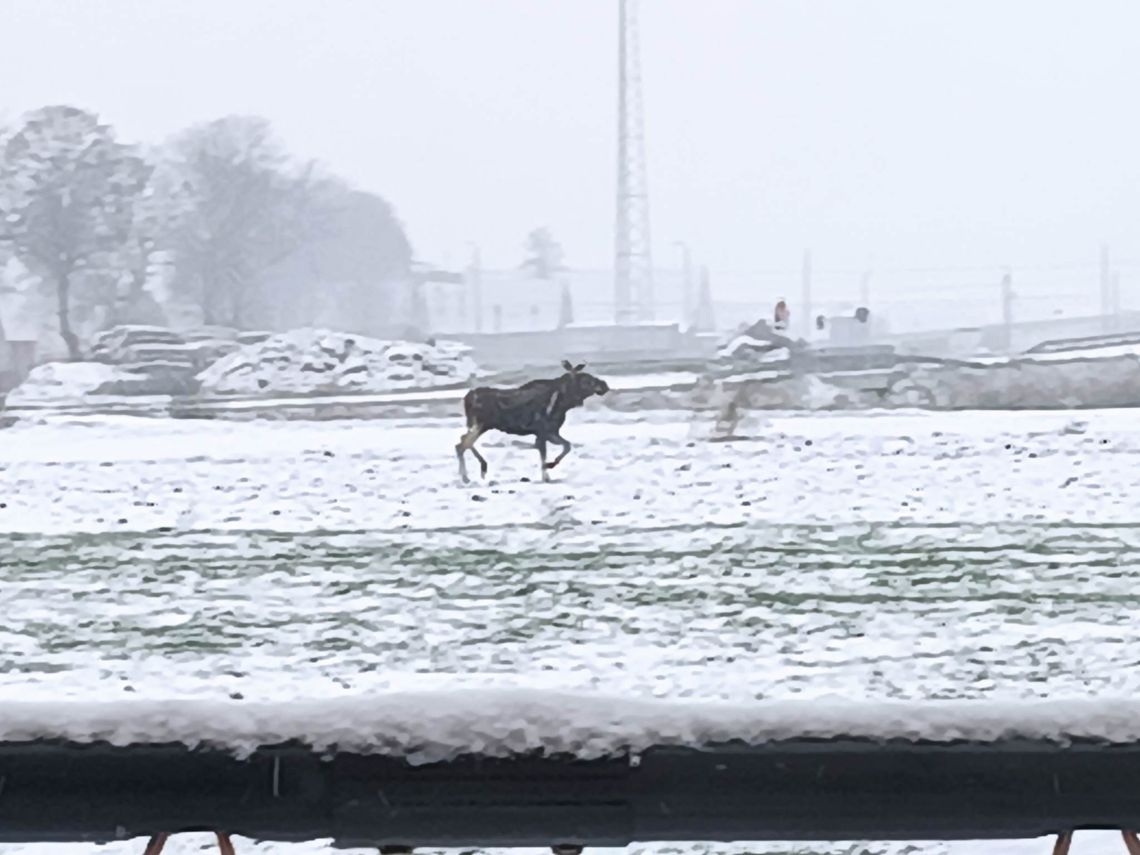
602	387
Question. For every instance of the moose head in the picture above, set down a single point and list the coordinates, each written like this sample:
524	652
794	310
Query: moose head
581	385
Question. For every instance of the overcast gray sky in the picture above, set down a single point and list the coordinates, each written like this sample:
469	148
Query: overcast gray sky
895	131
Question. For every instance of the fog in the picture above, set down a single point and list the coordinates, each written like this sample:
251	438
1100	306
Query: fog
885	133
339	417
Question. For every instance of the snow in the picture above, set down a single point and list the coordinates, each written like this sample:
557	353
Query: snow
659	380
1105	352
70	474
56	383
1023	384
308	361
756	348
662	380
435	726
897	557
820	395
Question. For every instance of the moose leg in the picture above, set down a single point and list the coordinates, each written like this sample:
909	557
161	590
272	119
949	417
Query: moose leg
540	444
565	450
467	443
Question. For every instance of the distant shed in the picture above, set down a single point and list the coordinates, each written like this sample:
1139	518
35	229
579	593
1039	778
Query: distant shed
18	337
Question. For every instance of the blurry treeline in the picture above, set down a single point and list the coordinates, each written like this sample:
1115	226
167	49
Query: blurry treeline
219	225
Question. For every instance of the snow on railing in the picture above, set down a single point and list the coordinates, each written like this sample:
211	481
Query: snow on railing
424	727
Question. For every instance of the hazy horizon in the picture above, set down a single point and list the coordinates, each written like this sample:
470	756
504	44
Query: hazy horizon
887	134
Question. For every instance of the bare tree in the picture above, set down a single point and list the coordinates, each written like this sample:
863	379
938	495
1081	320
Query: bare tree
350	276
544	256
68	197
566	307
243	208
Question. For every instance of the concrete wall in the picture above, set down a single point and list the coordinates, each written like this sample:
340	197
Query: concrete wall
17	358
1016	338
584	343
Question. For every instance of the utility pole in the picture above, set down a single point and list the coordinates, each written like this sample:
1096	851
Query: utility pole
475	286
704	316
865	290
1007	310
1105	282
633	264
805	298
1115	300
687	307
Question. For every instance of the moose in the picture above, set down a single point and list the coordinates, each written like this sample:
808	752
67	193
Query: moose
537	408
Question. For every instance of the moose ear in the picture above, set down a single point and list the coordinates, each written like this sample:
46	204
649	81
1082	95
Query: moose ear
580	366
566	364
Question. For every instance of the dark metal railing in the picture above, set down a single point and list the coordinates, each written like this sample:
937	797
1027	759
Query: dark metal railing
788	790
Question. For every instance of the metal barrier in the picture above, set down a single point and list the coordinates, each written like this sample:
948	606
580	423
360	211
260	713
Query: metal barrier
810	789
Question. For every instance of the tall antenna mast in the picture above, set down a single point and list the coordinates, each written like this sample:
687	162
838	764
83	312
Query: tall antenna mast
633	265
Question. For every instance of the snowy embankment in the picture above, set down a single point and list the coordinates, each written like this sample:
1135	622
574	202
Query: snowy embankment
136	362
314	361
436	726
1046	381
322	374
66	383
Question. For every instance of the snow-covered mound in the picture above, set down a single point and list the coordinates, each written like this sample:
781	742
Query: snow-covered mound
311	361
64	383
749	347
127	343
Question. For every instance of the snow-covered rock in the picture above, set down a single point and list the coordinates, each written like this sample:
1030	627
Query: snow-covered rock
749	346
128	343
312	361
57	383
211	333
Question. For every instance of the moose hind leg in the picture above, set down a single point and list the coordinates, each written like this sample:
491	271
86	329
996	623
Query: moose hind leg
482	461
540	444
462	463
467	442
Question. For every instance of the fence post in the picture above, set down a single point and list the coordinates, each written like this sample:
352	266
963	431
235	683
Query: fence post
1105	287
1115	300
1007	310
687	308
475	284
865	289
806	294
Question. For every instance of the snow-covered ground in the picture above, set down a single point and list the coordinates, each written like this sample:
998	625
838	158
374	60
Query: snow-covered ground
85	474
902	556
1106	352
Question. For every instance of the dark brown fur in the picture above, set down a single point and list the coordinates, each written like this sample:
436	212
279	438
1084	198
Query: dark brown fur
537	408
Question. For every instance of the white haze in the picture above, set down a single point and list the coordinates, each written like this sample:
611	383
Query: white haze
889	132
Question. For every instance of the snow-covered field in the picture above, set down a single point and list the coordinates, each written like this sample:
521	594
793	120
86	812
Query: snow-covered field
896	556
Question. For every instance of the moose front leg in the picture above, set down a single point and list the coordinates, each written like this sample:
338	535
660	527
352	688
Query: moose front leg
565	450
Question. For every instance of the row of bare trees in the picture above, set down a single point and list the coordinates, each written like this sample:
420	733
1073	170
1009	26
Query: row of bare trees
221	214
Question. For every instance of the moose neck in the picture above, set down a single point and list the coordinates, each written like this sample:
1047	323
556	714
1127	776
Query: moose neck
569	396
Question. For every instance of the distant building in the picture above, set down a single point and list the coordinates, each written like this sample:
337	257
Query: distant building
18	338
